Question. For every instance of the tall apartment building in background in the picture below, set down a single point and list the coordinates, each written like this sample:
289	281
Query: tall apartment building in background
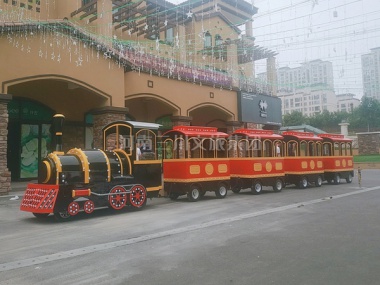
308	89
371	73
347	102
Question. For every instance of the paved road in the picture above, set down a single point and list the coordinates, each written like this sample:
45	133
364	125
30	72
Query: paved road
326	235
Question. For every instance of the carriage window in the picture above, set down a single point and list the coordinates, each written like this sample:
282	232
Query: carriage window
179	148
318	149
146	141
349	149
303	148
243	148
337	149
292	148
118	137
232	148
278	149
168	149
208	148
125	139
256	148
267	151
194	148
221	148
327	149
312	150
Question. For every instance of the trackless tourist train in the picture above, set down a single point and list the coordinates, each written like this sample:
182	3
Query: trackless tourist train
136	164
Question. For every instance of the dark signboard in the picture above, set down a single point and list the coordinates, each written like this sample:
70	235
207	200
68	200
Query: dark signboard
259	109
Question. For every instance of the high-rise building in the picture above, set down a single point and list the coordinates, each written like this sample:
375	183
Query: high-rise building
347	102
308	88
371	73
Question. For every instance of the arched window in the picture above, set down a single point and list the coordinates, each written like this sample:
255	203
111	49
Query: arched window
218	40
208	40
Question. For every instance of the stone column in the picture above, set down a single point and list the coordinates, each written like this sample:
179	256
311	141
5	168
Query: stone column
344	128
233	126
181	120
104	116
5	174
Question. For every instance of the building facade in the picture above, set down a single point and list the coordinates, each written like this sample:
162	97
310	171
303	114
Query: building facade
308	89
371	73
96	61
347	102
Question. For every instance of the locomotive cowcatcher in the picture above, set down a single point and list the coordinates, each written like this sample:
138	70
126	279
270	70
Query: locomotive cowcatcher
83	180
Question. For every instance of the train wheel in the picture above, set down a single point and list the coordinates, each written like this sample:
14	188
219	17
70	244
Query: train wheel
256	187
73	208
303	182
194	194
41	215
137	197
117	197
62	216
221	192
236	189
173	196
336	179
318	182
349	178
278	185
88	206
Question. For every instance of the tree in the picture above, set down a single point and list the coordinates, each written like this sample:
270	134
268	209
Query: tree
294	119
369	112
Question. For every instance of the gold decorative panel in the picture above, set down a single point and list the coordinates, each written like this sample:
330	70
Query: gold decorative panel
304	164
195	169
268	166
337	162
222	168
257	167
312	164
319	164
209	168
278	166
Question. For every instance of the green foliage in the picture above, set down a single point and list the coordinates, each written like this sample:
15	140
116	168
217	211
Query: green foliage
367	158
364	118
294	119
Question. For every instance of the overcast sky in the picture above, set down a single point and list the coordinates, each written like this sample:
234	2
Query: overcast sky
339	31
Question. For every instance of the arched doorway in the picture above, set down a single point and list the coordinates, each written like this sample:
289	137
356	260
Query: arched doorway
211	115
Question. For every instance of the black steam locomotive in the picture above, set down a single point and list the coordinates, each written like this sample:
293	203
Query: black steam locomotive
125	172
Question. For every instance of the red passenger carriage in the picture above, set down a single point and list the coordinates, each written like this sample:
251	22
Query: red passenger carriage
195	160
303	159
258	160
337	158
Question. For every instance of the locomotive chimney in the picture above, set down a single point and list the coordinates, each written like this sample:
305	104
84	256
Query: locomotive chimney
58	121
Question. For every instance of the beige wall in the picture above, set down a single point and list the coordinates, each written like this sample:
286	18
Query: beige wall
182	96
96	77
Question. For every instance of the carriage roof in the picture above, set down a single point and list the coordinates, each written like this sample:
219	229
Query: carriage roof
197	131
255	133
